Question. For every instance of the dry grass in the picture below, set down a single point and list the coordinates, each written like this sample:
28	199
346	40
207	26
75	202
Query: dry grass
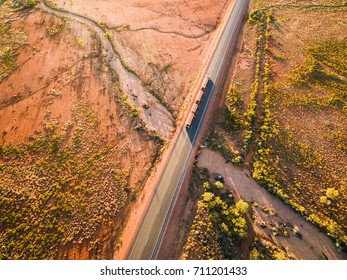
71	158
219	225
52	193
297	136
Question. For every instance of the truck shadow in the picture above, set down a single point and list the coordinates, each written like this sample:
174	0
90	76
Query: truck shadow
196	122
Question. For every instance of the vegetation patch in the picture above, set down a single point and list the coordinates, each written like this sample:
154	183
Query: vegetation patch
20	4
233	116
291	121
264	250
219	224
53	193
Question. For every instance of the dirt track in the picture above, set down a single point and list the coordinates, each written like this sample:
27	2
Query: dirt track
313	245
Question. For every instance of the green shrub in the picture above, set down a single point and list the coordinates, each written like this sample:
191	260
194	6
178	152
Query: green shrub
255	16
219	185
242	206
332	193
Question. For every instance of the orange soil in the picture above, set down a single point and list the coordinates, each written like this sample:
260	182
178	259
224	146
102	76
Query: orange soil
314	245
55	71
151	35
54	74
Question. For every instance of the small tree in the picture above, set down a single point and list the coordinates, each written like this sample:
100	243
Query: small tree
219	185
332	193
323	199
242	206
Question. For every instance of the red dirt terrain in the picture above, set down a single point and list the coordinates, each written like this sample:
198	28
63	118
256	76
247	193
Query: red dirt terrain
164	42
80	132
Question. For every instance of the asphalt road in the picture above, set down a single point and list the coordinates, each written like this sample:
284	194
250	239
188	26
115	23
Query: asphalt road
153	224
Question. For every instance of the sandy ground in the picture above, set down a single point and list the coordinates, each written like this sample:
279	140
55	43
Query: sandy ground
141	206
54	73
48	92
313	245
163	46
165	43
38	75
